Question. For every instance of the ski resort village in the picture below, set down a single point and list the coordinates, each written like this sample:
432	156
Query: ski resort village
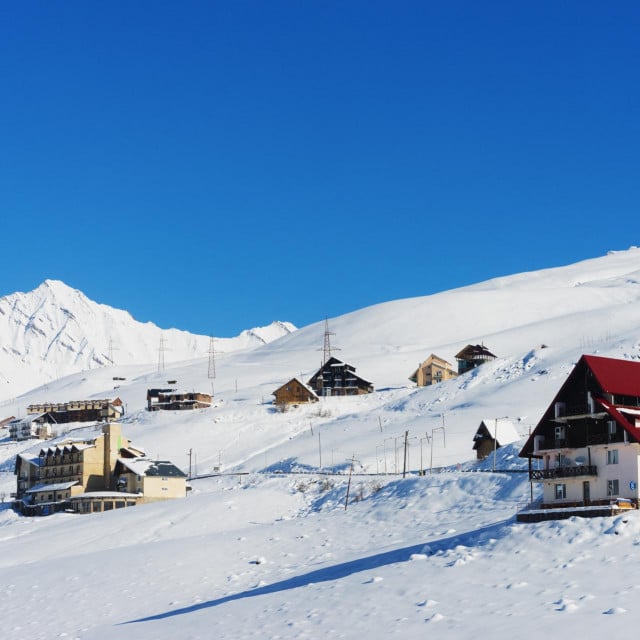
428	462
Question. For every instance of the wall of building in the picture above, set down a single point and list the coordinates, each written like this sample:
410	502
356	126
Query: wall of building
163	488
626	472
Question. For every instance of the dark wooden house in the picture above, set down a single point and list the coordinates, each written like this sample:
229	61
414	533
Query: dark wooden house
101	410
172	400
337	378
294	392
586	448
472	356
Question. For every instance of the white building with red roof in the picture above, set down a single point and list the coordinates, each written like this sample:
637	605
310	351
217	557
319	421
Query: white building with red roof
586	448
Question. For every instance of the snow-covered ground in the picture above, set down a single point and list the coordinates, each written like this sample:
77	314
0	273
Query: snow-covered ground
260	553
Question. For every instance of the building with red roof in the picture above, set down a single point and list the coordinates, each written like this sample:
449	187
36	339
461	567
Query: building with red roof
586	448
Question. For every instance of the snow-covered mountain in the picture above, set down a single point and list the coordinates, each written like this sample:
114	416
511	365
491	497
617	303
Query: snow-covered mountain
55	330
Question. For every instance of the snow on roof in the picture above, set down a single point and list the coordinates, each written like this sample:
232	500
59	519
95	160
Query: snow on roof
32	417
106	494
148	467
60	486
507	433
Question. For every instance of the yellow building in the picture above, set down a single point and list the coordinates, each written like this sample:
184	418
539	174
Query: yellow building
431	371
79	474
153	479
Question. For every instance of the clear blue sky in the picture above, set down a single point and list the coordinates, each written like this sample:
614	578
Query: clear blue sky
214	166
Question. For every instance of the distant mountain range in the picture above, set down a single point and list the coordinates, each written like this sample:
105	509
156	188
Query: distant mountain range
56	330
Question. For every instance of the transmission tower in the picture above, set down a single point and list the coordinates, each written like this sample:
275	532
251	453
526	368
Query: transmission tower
111	350
212	358
161	350
326	348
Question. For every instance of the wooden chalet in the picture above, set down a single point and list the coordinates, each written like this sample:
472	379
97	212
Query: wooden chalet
432	371
586	448
294	392
472	356
493	434
101	410
337	378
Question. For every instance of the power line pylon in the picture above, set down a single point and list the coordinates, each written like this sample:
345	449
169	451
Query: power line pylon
212	358
161	350
326	348
111	350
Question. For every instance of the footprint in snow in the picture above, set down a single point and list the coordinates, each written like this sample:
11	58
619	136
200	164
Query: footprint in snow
614	611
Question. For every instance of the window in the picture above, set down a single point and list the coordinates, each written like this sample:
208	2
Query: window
561	491
613	488
612	456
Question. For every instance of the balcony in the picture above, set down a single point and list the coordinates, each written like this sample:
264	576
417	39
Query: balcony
573	471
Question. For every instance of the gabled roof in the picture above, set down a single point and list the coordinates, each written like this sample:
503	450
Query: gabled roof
621	377
302	384
474	351
506	432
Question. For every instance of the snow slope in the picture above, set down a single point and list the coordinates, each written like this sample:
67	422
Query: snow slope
271	555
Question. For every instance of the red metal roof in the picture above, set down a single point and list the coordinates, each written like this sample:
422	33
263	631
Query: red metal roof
621	377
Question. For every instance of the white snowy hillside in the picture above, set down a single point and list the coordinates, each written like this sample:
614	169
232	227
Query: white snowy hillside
55	330
269	550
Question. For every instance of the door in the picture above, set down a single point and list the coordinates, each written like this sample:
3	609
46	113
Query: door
586	492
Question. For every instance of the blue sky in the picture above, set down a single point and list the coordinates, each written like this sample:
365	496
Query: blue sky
214	166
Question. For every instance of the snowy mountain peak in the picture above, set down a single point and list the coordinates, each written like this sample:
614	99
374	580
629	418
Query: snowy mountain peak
56	330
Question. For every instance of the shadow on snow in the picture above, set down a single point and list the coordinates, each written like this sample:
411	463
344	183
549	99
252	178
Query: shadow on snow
476	537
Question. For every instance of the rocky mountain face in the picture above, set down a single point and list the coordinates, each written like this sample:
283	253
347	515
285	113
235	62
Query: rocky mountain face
56	330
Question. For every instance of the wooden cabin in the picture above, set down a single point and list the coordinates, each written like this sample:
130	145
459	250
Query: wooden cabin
337	378
493	434
294	392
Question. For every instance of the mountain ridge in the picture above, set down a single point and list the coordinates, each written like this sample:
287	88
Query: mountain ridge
55	330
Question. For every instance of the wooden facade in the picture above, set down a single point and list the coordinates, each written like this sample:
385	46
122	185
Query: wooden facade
294	392
432	371
472	356
337	378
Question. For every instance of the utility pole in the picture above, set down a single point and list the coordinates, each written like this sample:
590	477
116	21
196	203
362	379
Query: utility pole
189	453
319	449
346	500
404	467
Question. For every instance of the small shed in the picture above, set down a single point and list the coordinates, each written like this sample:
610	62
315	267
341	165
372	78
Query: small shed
493	434
294	392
